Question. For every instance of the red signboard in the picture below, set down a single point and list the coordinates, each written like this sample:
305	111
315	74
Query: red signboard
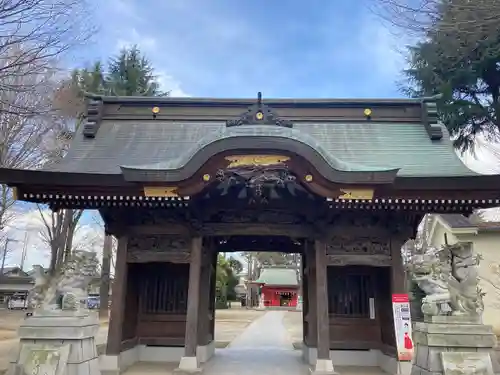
402	326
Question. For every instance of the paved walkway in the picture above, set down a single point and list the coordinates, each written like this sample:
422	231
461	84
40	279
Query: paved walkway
263	348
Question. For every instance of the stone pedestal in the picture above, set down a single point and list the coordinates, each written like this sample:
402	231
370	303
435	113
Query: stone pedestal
188	366
446	345
57	342
322	367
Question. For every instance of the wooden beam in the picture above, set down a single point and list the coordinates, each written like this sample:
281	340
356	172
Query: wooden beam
376	260
323	323
191	340
115	330
227	229
156	229
149	256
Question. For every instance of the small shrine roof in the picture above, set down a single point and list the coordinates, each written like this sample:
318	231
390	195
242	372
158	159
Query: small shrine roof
458	221
278	277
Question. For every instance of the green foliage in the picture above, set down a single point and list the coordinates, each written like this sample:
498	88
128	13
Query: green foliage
130	74
235	265
226	278
468	77
90	79
271	258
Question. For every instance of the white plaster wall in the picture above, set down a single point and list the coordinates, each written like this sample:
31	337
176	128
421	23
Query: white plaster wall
488	246
438	236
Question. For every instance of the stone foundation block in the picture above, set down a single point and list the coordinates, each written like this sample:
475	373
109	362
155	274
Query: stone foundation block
443	336
188	365
323	367
57	342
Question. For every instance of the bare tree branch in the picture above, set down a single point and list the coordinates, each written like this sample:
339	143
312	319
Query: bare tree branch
37	32
22	136
464	23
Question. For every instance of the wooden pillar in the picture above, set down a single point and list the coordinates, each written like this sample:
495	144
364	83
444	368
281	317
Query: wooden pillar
193	304
322	324
305	300
323	364
311	317
204	322
115	330
213	279
398	277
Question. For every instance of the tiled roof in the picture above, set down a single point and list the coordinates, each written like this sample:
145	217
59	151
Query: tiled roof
457	221
369	144
488	226
278	276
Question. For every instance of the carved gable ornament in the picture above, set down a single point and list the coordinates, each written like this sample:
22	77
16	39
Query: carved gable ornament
259	114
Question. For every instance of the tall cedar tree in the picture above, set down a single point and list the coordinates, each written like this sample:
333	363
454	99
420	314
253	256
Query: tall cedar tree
129	73
470	85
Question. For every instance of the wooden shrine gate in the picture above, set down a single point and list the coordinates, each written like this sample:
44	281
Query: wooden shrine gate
343	182
349	276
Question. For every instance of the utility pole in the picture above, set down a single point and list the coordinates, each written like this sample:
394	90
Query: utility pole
25	249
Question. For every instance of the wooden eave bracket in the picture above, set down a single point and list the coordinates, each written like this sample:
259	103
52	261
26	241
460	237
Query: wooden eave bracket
430	120
93	118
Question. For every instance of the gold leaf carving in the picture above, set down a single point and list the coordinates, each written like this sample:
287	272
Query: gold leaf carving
160	191
356	194
255	160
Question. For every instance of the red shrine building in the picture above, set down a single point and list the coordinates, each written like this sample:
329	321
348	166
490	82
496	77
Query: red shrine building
279	287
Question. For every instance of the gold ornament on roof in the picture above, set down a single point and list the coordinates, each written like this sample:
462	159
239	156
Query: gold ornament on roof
160	191
367	112
155	110
255	160
259	116
356	194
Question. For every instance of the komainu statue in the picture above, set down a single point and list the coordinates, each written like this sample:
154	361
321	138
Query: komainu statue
70	283
466	296
432	283
449	279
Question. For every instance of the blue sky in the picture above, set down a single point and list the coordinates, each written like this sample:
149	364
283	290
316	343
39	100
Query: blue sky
235	48
228	48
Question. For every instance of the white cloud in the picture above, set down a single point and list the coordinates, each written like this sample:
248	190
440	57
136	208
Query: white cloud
149	45
169	83
123	8
26	230
486	157
144	42
485	160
